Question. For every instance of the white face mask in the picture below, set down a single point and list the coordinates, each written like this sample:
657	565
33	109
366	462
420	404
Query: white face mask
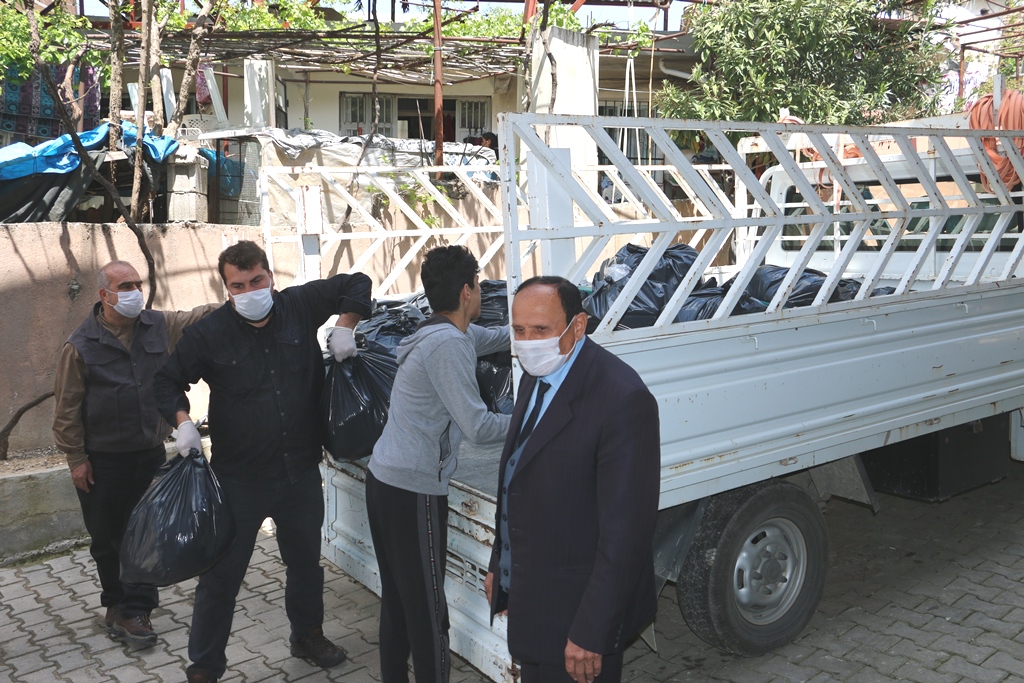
255	305
129	304
541	357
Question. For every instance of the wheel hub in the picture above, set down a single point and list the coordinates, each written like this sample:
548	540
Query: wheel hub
770	571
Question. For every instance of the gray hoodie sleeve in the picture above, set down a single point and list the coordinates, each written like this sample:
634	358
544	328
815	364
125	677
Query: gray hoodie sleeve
490	339
452	372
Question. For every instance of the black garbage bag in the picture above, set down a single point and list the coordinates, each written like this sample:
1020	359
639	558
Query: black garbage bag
766	280
494	375
845	290
494	371
180	528
663	281
390	324
355	402
704	303
493	303
643	310
671	268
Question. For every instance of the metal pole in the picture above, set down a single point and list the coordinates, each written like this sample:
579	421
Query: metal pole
438	92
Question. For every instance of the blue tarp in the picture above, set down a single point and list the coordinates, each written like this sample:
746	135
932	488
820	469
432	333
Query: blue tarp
230	172
54	156
59	156
156	148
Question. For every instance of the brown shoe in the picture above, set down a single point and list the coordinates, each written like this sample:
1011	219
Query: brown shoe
314	647
195	674
111	616
134	631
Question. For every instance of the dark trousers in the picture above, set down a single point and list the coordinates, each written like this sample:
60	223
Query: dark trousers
410	539
611	671
298	511
120	480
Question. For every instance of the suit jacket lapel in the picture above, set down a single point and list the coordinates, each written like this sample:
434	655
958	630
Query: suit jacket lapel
559	412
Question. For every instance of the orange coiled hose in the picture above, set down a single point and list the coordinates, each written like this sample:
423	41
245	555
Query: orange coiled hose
1011	117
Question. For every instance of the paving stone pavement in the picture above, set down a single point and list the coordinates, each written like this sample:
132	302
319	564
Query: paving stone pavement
925	592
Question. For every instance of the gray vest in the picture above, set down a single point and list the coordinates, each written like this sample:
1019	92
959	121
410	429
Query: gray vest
119	411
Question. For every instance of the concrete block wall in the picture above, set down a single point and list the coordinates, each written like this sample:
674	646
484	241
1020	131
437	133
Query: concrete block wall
39	513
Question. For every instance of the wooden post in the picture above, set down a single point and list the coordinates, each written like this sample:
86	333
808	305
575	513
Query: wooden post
960	94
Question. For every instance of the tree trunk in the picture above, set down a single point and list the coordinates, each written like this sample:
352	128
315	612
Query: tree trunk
140	107
156	33
67	86
199	32
116	84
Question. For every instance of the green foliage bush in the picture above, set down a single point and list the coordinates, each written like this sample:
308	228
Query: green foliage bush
828	61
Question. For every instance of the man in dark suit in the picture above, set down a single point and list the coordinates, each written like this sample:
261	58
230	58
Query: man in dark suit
577	497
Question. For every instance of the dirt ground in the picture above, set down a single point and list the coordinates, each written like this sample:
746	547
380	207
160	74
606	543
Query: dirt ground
34	460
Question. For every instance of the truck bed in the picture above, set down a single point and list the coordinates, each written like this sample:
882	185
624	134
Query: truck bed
743	398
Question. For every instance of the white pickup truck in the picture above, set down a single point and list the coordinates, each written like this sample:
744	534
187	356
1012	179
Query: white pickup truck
763	415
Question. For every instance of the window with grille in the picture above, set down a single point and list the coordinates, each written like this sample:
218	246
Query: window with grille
357	114
474	119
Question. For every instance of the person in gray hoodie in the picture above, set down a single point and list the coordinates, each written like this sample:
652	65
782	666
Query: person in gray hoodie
435	402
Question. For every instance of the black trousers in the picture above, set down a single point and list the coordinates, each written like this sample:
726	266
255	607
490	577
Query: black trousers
611	671
298	511
410	539
120	480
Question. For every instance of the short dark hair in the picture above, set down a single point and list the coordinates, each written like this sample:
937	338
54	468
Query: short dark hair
444	272
244	255
568	293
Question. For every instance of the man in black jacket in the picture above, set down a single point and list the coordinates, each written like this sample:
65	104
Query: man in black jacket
572	561
263	363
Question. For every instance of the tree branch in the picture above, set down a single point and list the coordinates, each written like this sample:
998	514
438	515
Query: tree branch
83	154
5	433
199	32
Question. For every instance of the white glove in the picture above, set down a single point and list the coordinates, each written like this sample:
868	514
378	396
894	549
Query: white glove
188	438
342	343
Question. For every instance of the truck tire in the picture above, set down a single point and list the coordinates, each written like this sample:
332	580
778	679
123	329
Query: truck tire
756	570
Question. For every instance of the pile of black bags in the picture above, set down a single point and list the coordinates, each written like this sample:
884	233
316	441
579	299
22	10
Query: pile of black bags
706	298
357	396
357	392
643	311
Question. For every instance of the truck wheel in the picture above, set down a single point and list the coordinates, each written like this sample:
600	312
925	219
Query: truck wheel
756	570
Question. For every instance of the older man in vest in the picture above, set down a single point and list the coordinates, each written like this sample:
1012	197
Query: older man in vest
107	423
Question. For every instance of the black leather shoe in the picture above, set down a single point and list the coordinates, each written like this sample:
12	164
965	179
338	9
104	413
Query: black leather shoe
314	647
195	674
135	631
